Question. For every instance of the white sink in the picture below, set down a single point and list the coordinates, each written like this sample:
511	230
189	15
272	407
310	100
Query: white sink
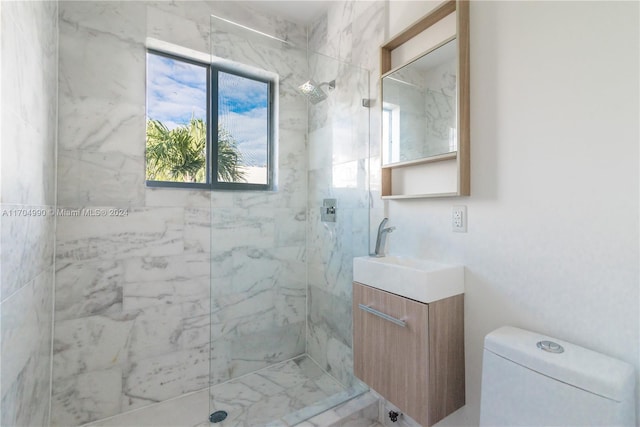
418	279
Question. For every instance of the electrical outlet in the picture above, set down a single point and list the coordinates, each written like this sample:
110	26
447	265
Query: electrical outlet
459	219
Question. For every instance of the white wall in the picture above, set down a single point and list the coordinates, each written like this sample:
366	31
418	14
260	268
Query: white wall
552	242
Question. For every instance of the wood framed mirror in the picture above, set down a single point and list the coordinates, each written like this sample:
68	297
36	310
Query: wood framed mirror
425	106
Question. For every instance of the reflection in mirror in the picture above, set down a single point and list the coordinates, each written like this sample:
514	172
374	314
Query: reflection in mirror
419	107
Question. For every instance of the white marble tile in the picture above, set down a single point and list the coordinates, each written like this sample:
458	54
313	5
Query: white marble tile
86	397
331	353
368	30
340	15
141	232
102	125
196	330
287	375
181	197
27	245
176	280
97	64
197	230
244	14
251	400
28	161
88	288
29	46
292	114
175	267
145	294
88	178
318	33
185	411
242	227
168	375
156	330
121	19
329	385
255	351
26	319
90	344
261	384
267	410
165	23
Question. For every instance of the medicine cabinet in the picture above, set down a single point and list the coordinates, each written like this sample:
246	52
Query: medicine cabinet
425	106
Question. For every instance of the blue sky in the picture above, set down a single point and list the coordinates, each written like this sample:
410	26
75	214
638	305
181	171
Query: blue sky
176	91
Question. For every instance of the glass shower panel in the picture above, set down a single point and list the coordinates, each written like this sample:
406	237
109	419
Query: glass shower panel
261	367
338	145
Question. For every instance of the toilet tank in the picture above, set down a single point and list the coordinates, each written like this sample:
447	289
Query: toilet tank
525	385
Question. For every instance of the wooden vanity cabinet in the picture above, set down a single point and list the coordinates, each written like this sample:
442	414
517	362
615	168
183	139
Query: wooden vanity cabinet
419	367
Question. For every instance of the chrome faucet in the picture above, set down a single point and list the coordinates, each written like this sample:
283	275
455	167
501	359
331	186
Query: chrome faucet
382	237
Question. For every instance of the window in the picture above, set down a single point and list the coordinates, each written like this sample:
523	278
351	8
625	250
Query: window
188	100
390	133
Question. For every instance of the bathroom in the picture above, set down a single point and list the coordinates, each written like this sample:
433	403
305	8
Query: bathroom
105	315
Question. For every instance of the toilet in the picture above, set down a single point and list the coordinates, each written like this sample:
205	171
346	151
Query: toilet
529	379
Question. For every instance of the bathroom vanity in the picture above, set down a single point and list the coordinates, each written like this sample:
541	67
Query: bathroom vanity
410	351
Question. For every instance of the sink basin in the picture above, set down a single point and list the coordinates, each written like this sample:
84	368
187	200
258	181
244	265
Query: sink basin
418	279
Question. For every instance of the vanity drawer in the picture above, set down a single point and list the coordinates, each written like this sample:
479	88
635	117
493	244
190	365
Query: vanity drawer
392	359
410	352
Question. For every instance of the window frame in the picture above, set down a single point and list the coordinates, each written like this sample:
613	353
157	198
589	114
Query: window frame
212	70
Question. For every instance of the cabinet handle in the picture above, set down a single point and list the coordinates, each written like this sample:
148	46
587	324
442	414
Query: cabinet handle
382	315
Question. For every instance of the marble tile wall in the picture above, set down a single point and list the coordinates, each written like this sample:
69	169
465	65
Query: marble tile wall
133	295
340	143
27	203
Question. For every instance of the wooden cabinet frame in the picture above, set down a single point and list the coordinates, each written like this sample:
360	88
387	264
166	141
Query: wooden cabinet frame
462	156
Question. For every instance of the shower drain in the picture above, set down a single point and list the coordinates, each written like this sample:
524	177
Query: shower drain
218	416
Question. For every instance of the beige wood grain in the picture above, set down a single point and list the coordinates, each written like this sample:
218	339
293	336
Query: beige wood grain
464	101
386	182
391	359
446	357
419	368
422	24
432	159
385	59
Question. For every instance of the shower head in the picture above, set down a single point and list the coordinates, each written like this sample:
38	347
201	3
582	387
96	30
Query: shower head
314	91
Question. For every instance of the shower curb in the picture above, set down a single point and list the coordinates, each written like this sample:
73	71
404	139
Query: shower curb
363	407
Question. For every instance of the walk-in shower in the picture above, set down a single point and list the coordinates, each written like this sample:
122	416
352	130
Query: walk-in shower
193	302
280	278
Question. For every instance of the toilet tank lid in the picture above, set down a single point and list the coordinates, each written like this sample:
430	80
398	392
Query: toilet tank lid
577	366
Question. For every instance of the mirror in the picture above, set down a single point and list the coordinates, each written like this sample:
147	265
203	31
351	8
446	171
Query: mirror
419	107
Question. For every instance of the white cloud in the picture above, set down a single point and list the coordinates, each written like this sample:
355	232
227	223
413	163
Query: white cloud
250	130
175	91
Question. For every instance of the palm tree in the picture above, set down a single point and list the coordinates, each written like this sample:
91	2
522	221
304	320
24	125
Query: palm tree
229	158
180	154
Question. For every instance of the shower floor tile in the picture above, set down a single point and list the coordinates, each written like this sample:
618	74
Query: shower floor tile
266	397
189	410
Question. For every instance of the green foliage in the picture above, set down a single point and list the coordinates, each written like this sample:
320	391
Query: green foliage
179	155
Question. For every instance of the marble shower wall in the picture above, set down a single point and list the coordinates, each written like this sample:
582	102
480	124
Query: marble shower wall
340	143
258	256
353	31
27	205
133	285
